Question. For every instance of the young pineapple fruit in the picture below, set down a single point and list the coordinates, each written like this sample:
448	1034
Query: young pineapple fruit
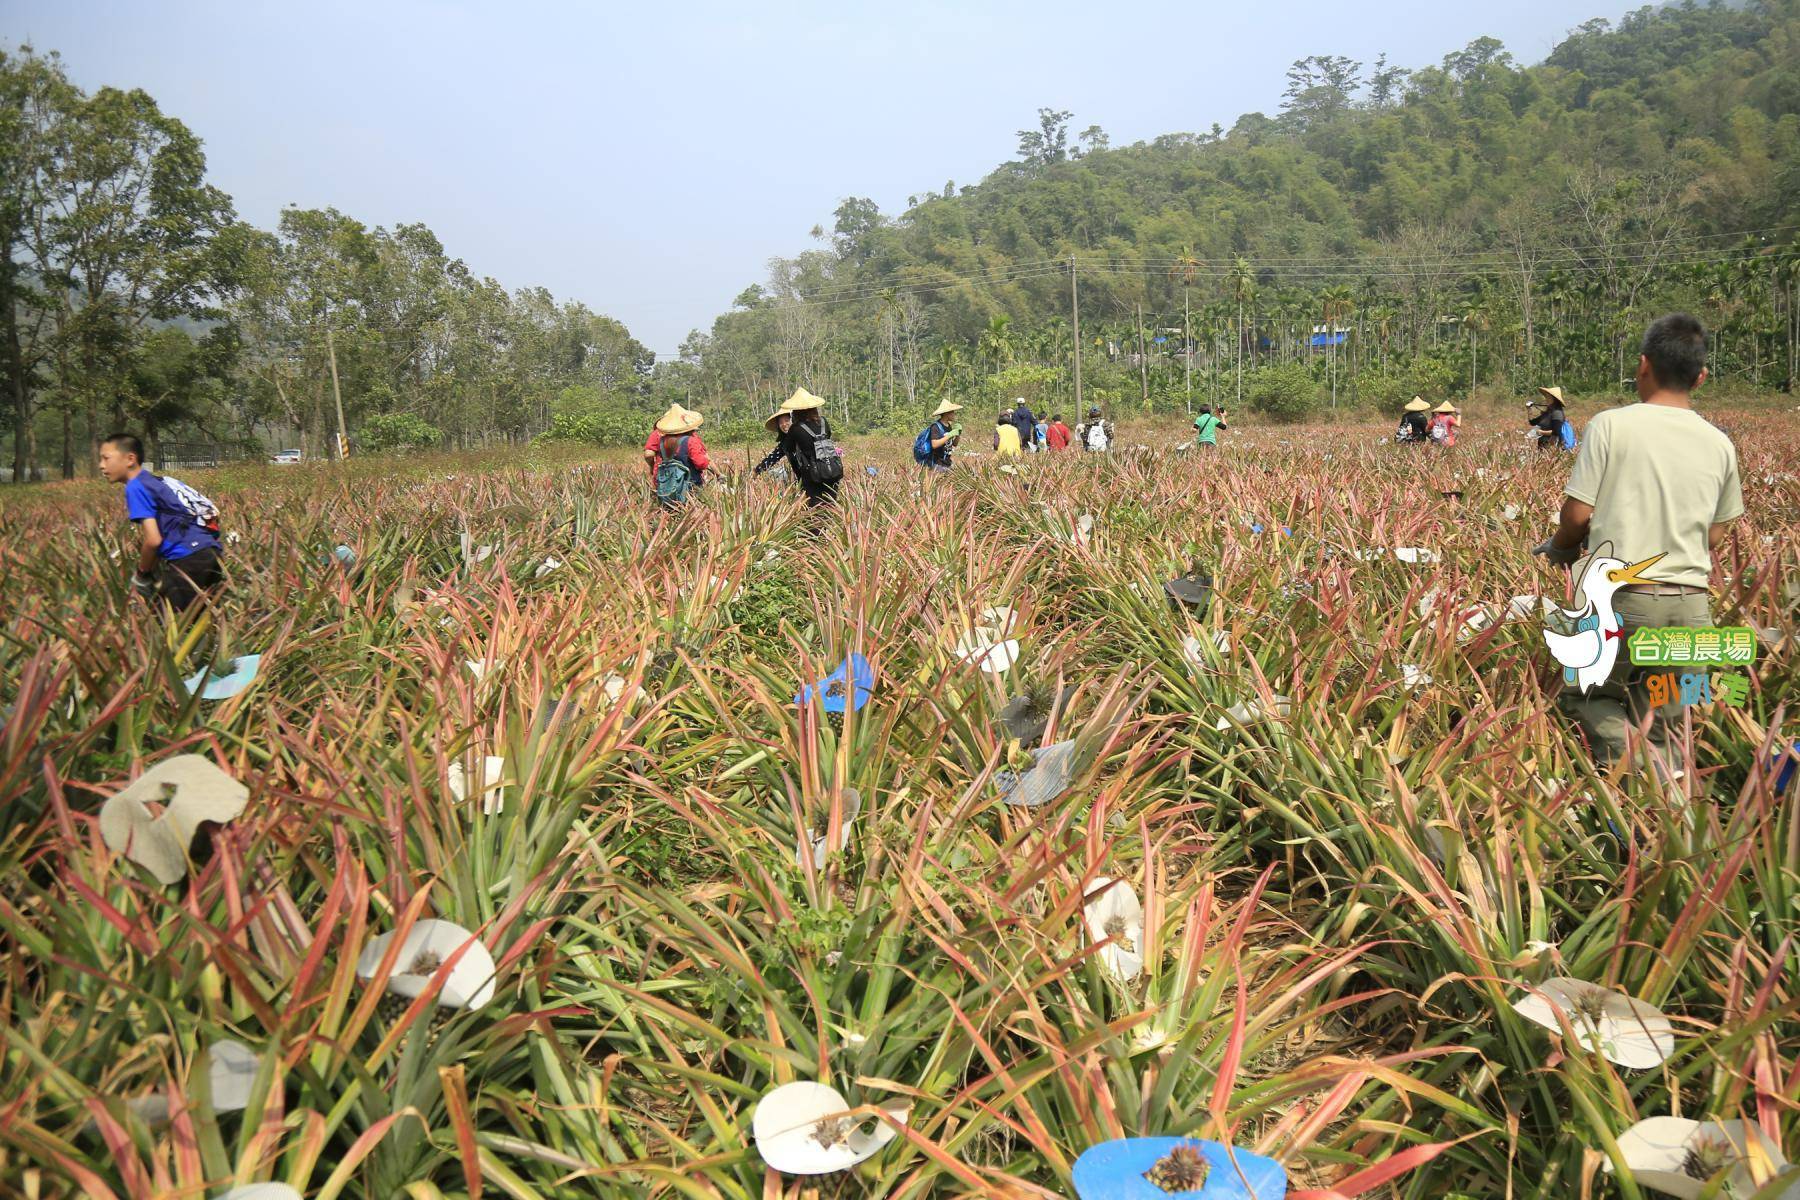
1182	1169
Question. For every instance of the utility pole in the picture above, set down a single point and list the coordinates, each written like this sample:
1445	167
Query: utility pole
1075	308
1474	356
338	396
1215	351
1240	353
1143	358
1187	353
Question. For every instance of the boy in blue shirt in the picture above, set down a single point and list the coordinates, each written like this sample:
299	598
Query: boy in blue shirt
178	557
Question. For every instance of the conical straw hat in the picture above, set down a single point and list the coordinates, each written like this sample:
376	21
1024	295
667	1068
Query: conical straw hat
679	420
946	408
802	400
1417	404
1445	407
1552	393
774	417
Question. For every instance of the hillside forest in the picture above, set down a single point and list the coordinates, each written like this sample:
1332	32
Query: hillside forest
1473	226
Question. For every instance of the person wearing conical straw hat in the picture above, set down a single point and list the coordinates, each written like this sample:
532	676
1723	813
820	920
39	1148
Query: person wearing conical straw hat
677	438
933	447
676	417
1442	426
777	423
1411	430
1549	426
814	458
1440	430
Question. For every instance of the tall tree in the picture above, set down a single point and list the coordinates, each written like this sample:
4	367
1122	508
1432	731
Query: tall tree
1243	291
996	344
36	100
857	218
1386	84
1337	303
1624	225
1049	142
1320	87
1523	230
318	272
129	241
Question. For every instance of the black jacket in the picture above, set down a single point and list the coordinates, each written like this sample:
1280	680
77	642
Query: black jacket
1026	424
772	457
1551	422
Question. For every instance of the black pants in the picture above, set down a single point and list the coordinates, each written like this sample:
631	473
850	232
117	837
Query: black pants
181	581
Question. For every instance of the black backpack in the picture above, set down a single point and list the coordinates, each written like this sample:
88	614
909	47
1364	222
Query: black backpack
827	460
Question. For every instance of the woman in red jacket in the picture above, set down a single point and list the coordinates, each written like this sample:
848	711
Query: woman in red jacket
679	431
1441	428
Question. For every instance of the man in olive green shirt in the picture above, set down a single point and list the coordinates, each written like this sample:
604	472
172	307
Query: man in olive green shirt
1652	479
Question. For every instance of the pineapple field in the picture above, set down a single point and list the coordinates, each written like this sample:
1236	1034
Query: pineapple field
495	834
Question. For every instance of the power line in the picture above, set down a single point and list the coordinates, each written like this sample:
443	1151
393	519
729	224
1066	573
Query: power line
1322	274
990	278
1371	266
1448	271
1500	254
878	288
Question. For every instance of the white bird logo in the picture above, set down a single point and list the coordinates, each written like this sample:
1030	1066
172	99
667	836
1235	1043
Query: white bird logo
1587	655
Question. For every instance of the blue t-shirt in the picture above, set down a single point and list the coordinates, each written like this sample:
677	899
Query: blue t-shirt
147	496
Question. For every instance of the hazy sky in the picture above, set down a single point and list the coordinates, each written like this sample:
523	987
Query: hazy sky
650	158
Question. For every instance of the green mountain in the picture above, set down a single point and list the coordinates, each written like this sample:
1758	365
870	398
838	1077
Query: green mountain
1473	223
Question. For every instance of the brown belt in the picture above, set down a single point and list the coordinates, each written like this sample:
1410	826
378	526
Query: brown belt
1663	589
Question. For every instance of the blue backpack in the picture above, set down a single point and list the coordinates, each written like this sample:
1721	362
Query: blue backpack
674	475
1568	435
922	446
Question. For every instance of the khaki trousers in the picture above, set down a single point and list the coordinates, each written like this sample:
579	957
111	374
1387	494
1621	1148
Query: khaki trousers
1618	704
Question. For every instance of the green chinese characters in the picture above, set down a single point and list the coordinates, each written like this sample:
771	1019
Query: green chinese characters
1674	646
